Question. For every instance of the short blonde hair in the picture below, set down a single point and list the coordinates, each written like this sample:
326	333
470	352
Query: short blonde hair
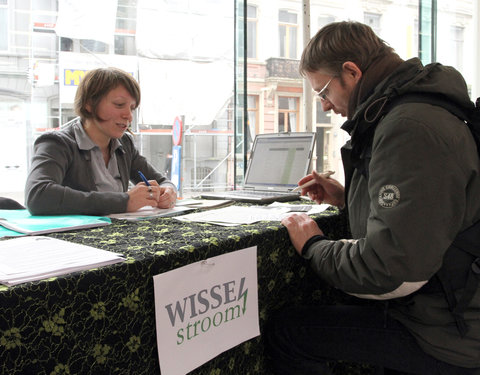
96	84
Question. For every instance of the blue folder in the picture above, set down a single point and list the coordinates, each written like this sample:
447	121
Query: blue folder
21	223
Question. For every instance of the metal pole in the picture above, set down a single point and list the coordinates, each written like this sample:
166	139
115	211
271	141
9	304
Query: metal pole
476	50
307	91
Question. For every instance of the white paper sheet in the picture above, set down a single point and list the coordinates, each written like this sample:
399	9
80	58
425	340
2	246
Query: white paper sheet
149	212
204	309
35	257
237	215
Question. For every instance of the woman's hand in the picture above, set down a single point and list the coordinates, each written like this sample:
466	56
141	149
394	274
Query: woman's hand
167	197
142	195
154	195
325	190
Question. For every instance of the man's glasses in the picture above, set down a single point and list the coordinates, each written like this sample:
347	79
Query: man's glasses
322	93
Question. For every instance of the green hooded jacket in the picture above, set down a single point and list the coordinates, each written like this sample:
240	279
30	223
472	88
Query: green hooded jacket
423	188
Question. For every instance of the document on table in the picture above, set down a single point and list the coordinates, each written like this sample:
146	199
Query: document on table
34	258
237	215
149	212
204	204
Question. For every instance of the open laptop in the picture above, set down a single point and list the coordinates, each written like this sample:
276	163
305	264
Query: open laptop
277	162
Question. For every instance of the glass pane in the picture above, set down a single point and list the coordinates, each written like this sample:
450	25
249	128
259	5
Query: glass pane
456	37
282	122
282	35
292	120
89	45
283	102
3	29
125	45
292	40
283	16
252	39
251	11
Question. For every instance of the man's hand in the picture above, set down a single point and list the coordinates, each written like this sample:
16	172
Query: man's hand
301	227
325	190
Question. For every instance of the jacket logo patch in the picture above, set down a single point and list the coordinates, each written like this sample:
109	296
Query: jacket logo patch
389	196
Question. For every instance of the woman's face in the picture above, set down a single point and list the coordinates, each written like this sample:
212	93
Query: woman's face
114	115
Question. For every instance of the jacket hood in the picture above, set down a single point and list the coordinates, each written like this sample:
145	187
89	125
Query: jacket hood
411	77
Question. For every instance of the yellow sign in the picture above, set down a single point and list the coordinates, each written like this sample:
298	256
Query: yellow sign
73	77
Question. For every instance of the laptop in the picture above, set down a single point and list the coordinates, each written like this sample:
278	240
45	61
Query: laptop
277	162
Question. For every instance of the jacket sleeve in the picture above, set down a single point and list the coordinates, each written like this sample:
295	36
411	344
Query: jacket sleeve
45	191
414	207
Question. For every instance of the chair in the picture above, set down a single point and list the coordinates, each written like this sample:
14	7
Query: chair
10	204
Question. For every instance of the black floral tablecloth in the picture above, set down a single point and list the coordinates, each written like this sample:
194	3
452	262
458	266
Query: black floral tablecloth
102	321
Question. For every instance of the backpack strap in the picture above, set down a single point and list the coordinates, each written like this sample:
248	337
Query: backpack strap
460	271
470	288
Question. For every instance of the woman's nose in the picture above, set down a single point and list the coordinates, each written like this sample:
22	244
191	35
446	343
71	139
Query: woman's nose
128	114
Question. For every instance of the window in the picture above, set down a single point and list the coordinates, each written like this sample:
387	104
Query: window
288	30
373	20
321	116
325	143
324	20
252	121
4	24
126	26
251	31
288	114
456	46
66	44
89	46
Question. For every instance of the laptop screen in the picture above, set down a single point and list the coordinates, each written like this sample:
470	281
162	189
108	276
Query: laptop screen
279	161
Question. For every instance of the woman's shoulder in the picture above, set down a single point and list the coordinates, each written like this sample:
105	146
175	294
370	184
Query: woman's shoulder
67	131
62	137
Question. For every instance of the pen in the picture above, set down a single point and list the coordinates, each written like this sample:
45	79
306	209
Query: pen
143	178
326	174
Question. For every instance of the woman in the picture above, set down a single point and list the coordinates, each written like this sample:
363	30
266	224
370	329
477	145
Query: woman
85	167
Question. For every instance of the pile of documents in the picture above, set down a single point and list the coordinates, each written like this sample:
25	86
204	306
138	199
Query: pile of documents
238	215
35	258
182	206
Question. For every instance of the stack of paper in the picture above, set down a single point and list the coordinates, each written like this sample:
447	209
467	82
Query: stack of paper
204	204
237	215
149	212
35	258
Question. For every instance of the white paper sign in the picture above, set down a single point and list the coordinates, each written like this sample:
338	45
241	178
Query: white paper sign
204	309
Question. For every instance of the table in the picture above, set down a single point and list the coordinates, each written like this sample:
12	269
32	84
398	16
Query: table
102	321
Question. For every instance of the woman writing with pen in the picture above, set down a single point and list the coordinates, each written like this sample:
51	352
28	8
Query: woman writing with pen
85	167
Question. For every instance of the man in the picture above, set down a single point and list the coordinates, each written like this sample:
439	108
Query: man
412	184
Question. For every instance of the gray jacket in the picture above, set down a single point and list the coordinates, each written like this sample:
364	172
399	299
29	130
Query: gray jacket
61	180
423	189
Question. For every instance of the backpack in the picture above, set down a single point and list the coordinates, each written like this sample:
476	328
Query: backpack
461	263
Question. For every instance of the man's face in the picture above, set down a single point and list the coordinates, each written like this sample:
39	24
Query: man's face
334	91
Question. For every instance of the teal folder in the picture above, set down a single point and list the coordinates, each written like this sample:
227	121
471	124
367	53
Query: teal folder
21	223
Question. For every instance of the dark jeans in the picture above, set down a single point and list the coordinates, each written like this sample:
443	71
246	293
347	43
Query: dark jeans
301	339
